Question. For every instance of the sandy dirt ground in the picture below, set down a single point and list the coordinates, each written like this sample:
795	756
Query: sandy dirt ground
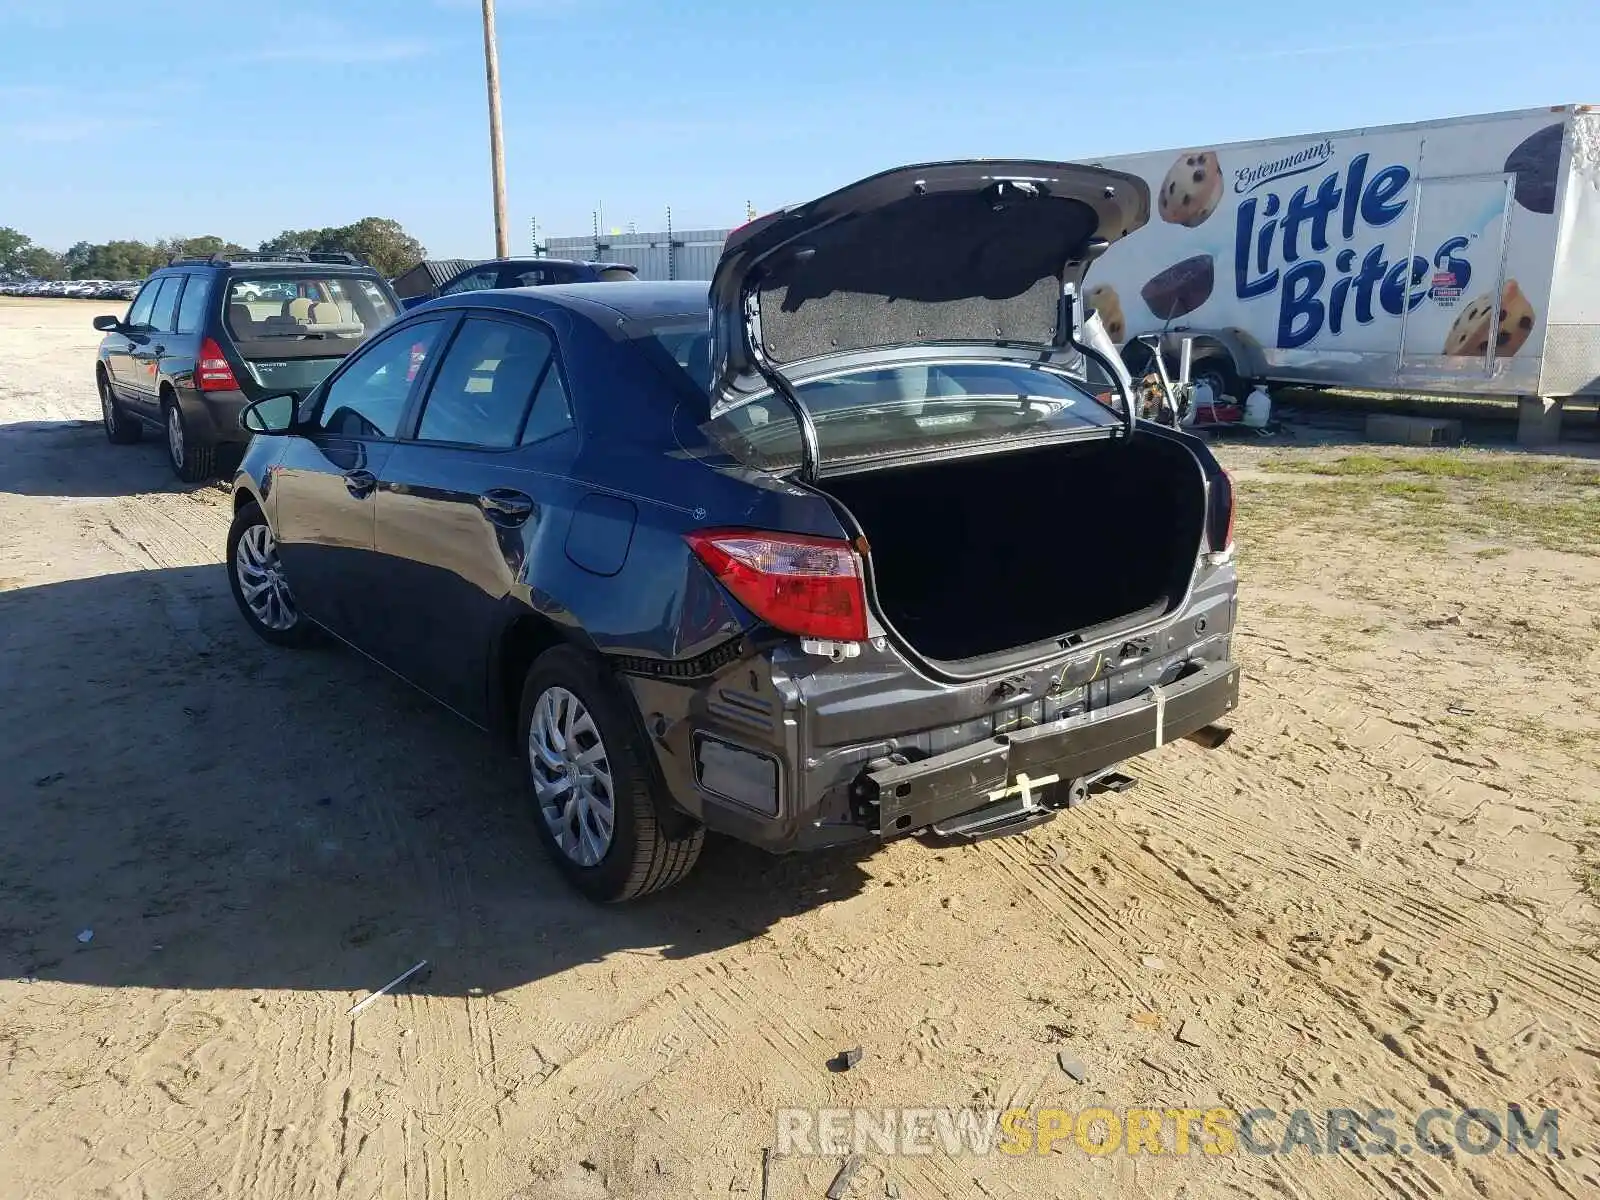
1380	893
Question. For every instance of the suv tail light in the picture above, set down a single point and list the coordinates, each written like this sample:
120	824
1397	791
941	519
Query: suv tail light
212	372
806	585
1219	522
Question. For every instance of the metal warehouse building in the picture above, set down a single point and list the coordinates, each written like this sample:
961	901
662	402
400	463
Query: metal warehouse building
675	254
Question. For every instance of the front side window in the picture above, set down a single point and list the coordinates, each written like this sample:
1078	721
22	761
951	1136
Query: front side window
369	396
474	281
482	393
139	313
166	305
191	309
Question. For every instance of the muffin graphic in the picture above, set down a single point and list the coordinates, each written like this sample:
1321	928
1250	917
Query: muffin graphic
1181	288
1192	189
1104	300
1469	333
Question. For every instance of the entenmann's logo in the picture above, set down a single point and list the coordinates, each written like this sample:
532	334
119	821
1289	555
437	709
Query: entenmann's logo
1248	179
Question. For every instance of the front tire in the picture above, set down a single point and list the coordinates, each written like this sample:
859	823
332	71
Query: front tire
259	586
589	770
121	429
192	461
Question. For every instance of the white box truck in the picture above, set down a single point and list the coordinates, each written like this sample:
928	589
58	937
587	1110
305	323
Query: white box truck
1445	257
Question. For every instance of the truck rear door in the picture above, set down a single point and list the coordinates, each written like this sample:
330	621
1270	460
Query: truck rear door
1462	314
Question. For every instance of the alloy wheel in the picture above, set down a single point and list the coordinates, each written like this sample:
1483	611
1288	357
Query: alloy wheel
261	579
107	413
571	776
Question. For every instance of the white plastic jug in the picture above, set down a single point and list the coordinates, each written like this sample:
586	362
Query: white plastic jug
1257	408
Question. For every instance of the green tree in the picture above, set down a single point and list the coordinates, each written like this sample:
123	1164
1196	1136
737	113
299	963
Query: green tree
77	256
42	263
381	241
384	243
14	244
296	239
198	247
117	260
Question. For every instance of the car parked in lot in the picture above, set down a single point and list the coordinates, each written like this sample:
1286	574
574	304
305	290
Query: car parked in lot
205	336
527	272
854	558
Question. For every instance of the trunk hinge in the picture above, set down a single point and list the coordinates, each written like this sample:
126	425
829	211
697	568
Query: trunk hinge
809	449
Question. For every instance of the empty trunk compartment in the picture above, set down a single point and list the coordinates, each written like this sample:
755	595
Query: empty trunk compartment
974	556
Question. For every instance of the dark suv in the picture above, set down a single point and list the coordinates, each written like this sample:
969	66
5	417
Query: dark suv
205	336
852	552
527	272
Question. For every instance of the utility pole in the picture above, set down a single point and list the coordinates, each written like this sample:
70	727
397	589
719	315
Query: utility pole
497	154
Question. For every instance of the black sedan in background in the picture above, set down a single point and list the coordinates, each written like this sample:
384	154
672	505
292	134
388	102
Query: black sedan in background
842	552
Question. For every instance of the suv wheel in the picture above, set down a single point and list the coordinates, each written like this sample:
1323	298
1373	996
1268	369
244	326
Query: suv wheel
121	429
593	789
255	575
192	461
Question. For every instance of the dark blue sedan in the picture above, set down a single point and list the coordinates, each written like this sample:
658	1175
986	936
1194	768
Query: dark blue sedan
844	551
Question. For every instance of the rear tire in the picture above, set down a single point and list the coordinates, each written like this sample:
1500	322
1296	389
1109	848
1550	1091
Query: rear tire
121	429
192	461
1219	372
604	756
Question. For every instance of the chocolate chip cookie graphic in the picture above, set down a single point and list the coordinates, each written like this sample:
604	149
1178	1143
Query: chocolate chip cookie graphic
1536	163
1192	189
1181	288
1469	333
1104	300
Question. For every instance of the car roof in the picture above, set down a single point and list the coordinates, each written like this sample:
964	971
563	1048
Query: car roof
605	303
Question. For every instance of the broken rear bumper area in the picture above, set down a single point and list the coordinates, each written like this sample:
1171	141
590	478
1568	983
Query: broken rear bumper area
900	798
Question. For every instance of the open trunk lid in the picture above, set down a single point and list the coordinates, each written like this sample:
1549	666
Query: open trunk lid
976	254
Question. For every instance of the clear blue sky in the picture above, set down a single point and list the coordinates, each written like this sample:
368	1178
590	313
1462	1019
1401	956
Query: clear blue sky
166	117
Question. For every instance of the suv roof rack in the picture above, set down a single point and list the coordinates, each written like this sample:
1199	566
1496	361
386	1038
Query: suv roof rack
336	257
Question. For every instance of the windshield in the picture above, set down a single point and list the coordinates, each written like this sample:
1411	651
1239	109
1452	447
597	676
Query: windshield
912	408
336	308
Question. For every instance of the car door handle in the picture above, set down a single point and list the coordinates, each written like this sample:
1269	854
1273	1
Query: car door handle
360	483
506	507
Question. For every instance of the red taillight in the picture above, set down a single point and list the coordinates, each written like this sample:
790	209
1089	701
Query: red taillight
1220	526
805	585
212	372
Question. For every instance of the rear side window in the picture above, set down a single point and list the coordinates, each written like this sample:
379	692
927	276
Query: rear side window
489	376
535	276
368	399
166	305
192	308
475	281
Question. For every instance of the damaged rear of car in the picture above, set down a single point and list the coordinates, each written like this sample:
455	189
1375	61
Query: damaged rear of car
970	586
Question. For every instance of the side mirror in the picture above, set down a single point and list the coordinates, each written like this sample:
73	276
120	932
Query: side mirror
108	324
270	415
